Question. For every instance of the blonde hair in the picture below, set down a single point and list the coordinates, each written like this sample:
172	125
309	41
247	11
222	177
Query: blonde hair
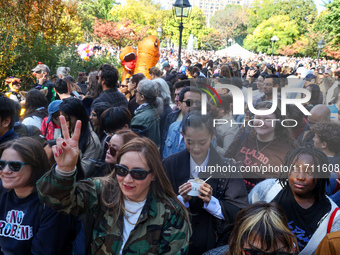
264	222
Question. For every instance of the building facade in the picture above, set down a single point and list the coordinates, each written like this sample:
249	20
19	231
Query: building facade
209	7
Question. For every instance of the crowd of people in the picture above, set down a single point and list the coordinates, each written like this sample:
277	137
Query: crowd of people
94	165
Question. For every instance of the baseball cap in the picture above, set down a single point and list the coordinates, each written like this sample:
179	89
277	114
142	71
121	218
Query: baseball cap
165	64
328	72
310	77
41	67
53	108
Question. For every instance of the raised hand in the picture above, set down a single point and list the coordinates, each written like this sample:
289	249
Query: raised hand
66	150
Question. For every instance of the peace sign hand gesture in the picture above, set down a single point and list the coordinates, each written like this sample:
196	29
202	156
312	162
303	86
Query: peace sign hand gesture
66	150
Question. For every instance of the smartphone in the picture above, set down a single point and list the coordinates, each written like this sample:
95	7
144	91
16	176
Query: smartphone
76	94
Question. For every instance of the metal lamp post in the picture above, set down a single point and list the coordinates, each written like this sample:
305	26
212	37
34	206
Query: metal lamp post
274	39
159	32
181	9
321	45
230	41
195	42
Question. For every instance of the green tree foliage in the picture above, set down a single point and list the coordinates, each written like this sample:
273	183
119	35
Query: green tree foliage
231	22
142	12
281	26
329	23
90	10
303	12
194	25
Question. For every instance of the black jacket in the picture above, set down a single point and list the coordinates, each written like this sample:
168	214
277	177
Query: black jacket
228	188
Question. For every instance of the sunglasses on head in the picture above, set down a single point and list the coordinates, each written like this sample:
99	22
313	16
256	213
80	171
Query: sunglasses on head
190	102
14	166
137	174
259	252
113	151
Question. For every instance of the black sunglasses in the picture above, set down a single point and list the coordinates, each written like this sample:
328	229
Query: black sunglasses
259	252
14	166
190	102
137	174
113	150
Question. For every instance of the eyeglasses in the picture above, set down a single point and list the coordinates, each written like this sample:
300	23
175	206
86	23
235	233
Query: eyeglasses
259	252
38	72
137	174
267	84
113	150
14	166
124	86
190	102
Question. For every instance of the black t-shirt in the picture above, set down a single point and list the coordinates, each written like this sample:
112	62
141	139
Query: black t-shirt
302	222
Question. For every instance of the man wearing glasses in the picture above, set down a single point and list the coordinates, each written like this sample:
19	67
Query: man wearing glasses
270	82
189	97
41	72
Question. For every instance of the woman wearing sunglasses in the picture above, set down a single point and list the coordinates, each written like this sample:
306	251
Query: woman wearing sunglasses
27	226
120	138
220	197
135	209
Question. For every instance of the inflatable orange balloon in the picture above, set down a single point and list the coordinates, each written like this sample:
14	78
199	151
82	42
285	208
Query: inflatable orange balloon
128	59
148	55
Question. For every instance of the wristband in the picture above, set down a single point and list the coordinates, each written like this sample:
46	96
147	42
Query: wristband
63	173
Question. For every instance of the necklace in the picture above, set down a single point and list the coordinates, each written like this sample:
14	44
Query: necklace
257	147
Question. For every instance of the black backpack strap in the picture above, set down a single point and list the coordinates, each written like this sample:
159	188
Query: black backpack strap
29	130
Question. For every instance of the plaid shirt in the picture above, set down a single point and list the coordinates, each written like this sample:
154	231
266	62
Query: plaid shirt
111	96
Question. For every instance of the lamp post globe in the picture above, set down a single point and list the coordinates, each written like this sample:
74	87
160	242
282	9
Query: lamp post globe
181	9
321	45
274	39
159	32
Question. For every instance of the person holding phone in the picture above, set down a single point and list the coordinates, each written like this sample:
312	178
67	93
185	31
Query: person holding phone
41	72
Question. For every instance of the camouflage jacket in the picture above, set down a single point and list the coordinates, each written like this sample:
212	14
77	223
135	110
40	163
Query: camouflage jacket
160	229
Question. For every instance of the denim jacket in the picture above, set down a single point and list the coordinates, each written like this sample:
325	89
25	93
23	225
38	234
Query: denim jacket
172	144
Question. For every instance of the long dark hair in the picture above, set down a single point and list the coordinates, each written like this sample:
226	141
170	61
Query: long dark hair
36	104
73	107
112	196
281	133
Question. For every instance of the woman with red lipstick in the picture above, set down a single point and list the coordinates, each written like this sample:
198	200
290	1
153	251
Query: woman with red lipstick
135	209
301	193
221	197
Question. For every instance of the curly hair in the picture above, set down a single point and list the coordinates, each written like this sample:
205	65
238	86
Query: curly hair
328	132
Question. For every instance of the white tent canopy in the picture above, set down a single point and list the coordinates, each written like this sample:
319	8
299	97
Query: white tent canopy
235	51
